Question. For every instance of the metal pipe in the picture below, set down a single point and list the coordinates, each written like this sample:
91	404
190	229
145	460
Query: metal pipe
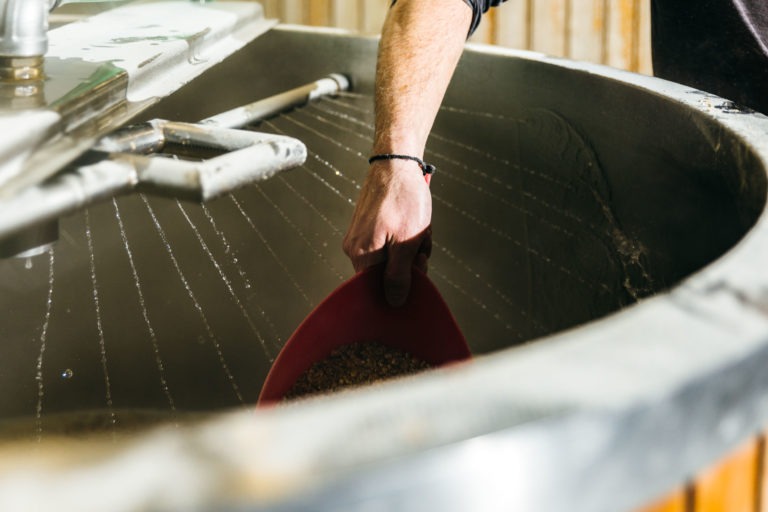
262	109
251	157
23	28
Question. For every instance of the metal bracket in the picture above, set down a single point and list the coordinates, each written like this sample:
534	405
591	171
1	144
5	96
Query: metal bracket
125	166
249	156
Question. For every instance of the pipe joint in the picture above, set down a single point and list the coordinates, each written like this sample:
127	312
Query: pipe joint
23	28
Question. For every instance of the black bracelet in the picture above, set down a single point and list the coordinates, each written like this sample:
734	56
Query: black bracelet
425	167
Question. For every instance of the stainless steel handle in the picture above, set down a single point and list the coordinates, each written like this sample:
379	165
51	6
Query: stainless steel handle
129	164
250	157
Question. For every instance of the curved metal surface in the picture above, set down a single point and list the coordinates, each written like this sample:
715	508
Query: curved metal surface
614	221
104	69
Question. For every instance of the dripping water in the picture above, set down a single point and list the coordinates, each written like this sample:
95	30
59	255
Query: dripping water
195	302
41	353
97	307
145	314
241	272
299	233
233	295
272	252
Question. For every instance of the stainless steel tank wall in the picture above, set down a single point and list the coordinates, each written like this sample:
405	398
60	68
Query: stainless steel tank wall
560	197
565	192
587	194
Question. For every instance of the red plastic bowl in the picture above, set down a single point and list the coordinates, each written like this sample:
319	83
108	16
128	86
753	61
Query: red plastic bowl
357	311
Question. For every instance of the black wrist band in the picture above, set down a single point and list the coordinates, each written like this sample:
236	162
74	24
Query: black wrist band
425	167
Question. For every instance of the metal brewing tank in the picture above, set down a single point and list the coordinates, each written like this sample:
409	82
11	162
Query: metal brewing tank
598	236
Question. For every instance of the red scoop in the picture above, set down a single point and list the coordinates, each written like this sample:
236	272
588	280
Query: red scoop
357	311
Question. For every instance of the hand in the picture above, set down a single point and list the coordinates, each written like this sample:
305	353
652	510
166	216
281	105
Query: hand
391	223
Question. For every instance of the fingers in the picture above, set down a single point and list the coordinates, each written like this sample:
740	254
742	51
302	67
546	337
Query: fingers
362	261
397	275
400	257
391	223
425	251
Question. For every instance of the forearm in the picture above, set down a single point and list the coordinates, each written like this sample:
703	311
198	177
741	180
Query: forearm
420	46
421	43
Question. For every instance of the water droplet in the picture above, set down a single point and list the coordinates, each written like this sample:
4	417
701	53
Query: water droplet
67	374
28	263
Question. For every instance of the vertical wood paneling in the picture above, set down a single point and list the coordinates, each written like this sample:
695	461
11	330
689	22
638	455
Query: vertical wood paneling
587	23
622	36
645	63
675	502
549	26
271	8
731	485
512	24
762	468
374	12
484	32
319	12
613	32
292	11
346	14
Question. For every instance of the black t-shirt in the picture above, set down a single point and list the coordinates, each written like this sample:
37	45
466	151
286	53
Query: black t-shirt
719	46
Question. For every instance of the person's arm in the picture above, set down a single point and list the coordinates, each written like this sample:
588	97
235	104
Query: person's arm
421	43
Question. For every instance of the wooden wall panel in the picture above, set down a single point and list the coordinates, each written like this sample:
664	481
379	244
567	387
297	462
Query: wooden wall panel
549	26
676	502
512	24
486	31
732	484
587	30
373	14
762	468
645	63
292	11
623	33
346	14
613	32
319	12
271	8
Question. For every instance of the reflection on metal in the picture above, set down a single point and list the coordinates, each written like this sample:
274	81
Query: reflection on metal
33	241
98	73
260	110
250	157
23	27
105	69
